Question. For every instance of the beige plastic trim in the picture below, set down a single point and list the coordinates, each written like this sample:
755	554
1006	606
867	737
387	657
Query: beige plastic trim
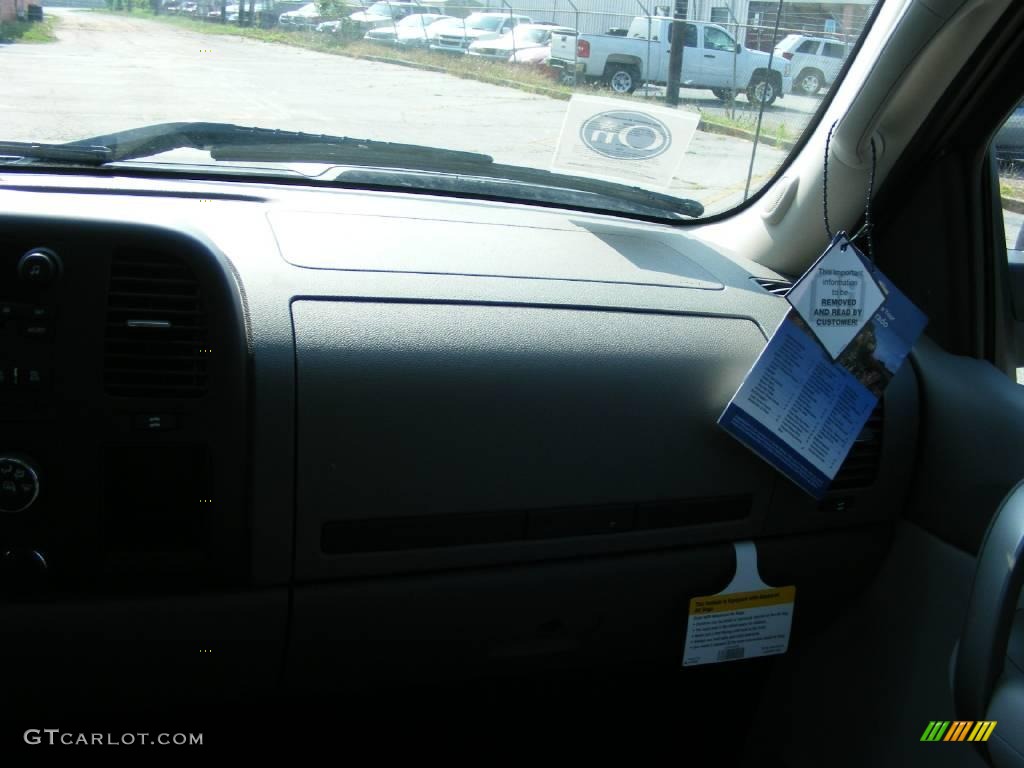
910	56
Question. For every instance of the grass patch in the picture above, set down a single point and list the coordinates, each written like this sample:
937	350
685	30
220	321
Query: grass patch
744	127
1011	187
468	67
29	31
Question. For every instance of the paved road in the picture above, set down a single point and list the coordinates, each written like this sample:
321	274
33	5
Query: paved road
108	73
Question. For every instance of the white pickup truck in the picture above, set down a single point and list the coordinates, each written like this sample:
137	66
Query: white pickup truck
712	59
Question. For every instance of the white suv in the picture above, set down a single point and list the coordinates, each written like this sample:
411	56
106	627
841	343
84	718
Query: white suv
815	61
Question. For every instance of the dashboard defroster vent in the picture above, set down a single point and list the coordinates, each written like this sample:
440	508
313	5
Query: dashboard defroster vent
774	287
860	468
156	333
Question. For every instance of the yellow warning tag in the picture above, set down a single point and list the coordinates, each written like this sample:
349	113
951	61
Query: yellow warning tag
739	622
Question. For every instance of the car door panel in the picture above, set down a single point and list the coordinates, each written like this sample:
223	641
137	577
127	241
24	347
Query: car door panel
969	453
876	677
716	63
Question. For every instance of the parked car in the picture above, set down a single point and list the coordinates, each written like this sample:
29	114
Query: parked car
383	14
411	31
459	34
230	15
537	56
521	38
1010	139
189	9
712	59
306	17
815	60
539	59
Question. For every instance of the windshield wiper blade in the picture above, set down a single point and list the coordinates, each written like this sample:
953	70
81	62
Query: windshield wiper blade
228	142
225	141
21	151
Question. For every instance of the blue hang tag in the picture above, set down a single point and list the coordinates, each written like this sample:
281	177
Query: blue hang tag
800	408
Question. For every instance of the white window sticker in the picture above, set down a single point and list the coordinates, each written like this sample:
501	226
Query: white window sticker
746	620
837	296
616	139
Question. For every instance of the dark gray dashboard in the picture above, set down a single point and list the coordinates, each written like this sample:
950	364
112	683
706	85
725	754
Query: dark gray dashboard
418	388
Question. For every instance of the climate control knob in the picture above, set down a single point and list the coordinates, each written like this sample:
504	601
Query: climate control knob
19	484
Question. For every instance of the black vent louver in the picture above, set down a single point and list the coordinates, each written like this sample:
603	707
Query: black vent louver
774	287
861	466
156	328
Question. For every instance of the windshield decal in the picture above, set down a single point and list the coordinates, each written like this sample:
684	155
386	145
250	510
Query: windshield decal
643	144
626	135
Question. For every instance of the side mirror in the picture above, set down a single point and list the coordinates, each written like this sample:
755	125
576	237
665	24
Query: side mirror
739	48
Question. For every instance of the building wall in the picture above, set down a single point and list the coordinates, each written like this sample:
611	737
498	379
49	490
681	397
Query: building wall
589	16
7	10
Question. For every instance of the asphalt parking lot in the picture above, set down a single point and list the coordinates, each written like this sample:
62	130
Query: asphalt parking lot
108	73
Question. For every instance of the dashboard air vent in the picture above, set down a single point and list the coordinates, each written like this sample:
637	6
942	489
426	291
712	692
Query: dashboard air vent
156	328
774	287
861	466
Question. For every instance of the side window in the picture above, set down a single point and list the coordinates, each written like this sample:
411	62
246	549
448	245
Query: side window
1009	148
834	50
808	46
717	40
1009	144
689	36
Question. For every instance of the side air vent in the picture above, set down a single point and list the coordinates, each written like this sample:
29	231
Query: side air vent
861	466
774	287
156	328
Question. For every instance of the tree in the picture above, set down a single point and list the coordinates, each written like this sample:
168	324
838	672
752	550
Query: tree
330	9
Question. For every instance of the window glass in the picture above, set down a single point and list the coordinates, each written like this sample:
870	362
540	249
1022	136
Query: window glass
90	74
834	50
717	40
690	36
1009	149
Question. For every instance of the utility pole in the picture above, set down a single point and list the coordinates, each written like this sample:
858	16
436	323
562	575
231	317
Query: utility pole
675	55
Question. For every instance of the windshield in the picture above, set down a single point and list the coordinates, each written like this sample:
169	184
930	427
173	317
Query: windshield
595	106
381	9
418	20
488	23
526	36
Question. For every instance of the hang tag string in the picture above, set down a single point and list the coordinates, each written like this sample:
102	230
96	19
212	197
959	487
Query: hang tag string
865	230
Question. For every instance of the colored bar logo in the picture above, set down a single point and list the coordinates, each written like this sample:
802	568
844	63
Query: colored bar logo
958	730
